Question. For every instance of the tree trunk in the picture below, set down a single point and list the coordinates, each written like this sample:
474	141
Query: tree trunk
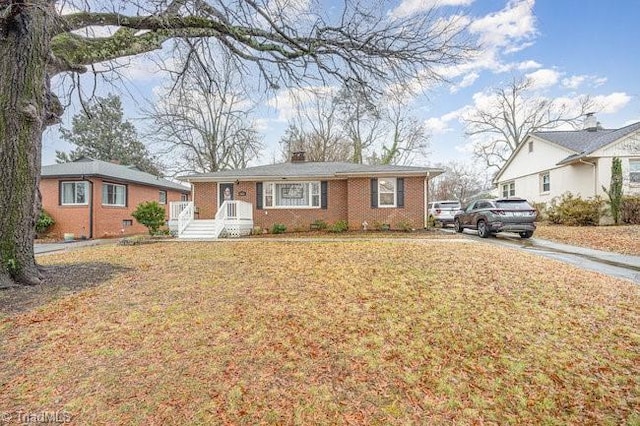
24	91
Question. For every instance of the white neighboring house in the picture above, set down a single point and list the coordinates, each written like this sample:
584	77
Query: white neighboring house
548	164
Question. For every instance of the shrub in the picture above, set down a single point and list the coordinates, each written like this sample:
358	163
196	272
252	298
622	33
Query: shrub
541	210
405	225
339	226
319	225
150	214
278	228
615	189
574	211
44	222
630	210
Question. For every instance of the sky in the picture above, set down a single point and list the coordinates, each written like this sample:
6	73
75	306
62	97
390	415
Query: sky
569	48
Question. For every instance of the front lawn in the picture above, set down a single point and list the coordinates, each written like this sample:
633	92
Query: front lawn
331	332
624	239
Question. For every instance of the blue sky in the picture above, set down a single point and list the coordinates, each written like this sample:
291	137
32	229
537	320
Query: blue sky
570	48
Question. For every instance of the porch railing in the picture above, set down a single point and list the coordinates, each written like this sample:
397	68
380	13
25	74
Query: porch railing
176	207
232	210
185	217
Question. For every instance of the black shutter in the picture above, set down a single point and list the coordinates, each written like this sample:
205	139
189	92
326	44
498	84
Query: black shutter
59	192
323	194
258	195
126	195
400	200
374	193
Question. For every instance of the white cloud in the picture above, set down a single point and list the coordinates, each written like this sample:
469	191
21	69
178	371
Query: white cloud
466	81
574	81
509	27
441	125
411	7
612	103
543	78
528	65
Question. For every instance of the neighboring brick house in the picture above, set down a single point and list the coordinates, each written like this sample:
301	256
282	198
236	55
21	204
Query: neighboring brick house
298	193
94	199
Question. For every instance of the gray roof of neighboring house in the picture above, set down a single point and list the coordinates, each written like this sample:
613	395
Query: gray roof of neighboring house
312	170
90	167
584	142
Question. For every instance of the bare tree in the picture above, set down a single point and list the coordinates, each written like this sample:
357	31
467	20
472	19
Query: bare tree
514	112
460	181
316	129
204	120
363	45
360	120
408	136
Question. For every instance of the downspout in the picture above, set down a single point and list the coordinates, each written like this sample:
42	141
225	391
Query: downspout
595	176
426	202
84	178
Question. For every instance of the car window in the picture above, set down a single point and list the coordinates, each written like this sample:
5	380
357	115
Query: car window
483	205
453	205
513	205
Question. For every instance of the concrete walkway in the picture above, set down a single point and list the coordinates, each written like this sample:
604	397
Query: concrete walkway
44	248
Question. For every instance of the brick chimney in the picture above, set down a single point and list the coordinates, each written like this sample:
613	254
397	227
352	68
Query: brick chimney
298	157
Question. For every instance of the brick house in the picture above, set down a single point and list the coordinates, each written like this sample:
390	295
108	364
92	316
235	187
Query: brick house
94	199
298	193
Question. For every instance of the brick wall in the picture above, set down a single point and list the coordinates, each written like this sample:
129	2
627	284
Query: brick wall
107	220
360	209
348	200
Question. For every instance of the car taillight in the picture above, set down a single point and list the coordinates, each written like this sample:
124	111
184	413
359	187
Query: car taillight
438	211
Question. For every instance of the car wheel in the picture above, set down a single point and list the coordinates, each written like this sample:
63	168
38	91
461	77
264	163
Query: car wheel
526	234
483	229
458	225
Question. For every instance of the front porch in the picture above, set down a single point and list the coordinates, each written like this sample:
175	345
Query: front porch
234	219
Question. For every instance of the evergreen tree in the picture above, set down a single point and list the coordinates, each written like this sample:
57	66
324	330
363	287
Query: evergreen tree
99	132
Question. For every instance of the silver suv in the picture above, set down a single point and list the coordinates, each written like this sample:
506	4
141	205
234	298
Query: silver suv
443	212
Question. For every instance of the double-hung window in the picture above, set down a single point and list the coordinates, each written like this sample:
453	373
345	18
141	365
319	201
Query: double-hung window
162	197
509	189
634	170
387	192
74	193
545	182
291	195
114	195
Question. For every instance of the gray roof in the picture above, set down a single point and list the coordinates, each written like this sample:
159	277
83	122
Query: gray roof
90	167
584	142
307	170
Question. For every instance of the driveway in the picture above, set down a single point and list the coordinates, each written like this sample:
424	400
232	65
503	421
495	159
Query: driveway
608	263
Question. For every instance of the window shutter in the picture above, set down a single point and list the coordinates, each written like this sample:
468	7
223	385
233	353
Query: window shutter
126	195
258	195
59	193
400	192
374	193
323	194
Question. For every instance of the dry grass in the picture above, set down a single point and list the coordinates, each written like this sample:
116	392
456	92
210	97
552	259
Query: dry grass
343	332
617	239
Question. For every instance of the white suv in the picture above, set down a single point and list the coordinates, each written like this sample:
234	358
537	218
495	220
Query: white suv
443	212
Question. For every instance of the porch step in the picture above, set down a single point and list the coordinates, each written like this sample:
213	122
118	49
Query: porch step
202	229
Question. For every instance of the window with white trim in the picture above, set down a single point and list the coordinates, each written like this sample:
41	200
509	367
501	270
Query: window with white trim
291	195
162	195
545	182
387	188
74	193
114	195
634	170
508	189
